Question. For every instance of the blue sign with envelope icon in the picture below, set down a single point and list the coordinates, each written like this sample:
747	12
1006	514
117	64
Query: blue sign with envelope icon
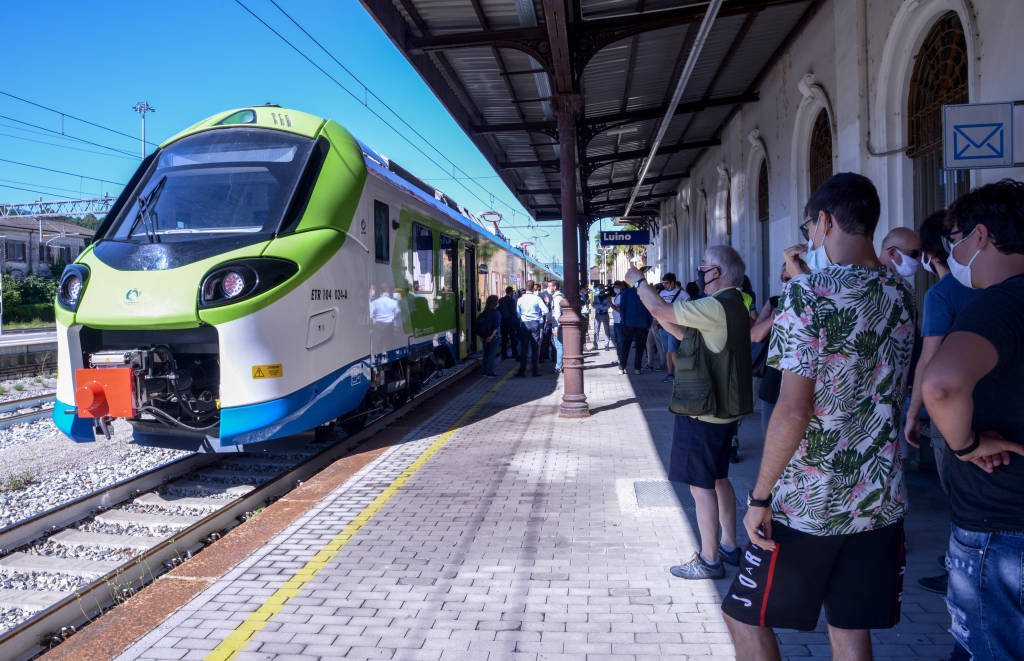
978	135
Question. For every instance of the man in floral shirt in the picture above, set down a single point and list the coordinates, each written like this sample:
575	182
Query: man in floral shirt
825	517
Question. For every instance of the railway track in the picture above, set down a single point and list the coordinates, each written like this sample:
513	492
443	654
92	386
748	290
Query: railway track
106	546
41	407
15	371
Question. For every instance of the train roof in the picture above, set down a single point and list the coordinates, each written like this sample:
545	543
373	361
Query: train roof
295	121
385	169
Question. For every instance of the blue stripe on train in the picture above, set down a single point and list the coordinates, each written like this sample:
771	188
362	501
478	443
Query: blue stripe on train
65	416
325	399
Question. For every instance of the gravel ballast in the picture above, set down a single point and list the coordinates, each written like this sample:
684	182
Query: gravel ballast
61	469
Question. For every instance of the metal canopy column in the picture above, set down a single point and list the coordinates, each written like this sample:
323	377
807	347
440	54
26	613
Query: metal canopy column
574	402
567	105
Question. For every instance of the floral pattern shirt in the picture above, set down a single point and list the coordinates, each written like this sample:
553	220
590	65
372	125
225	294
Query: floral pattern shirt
851	330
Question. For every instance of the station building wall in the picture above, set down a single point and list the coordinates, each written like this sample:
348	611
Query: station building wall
854	59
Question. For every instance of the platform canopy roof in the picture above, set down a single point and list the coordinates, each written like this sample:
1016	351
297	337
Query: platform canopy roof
501	67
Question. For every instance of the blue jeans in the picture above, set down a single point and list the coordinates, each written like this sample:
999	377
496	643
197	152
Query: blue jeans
601	321
490	352
986	592
556	340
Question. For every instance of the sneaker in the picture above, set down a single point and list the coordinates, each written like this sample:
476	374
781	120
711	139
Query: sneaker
696	568
637	372
937	584
668	378
730	557
622	371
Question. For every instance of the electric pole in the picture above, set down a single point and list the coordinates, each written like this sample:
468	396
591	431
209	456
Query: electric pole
142	107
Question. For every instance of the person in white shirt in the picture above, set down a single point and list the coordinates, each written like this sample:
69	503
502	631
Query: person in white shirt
532	313
672	291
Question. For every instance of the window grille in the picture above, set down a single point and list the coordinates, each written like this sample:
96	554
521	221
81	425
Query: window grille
821	151
939	78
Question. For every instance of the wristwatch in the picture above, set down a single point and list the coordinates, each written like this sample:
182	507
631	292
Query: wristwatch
969	449
758	502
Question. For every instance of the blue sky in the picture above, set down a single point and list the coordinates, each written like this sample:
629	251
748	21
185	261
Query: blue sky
191	59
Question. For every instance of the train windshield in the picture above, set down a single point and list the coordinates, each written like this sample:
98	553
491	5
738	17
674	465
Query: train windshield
227	182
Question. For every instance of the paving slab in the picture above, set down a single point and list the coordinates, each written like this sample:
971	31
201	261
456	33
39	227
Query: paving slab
512	534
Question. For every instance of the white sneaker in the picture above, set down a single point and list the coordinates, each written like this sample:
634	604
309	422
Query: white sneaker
622	371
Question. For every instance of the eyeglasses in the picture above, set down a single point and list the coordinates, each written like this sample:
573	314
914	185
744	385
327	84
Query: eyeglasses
805	230
948	240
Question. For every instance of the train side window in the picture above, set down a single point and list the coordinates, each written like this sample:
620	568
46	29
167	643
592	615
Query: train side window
447	263
422	260
381	234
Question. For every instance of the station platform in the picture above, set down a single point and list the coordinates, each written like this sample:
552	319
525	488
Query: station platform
496	530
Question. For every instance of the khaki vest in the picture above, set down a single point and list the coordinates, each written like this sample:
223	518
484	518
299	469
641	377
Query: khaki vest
717	384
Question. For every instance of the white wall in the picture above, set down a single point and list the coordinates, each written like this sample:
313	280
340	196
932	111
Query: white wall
868	45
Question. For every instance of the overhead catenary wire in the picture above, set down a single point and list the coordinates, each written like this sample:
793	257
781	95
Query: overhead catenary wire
72	174
38	192
70	116
394	112
362	102
38	185
54	144
66	135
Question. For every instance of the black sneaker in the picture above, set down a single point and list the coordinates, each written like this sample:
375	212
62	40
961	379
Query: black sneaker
730	557
937	584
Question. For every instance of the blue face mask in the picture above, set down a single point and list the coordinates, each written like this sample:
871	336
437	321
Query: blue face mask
816	258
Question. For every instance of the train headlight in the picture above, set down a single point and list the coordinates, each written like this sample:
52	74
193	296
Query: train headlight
242	279
72	283
233	284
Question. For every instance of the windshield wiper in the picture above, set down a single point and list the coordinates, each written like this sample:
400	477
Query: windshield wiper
147	214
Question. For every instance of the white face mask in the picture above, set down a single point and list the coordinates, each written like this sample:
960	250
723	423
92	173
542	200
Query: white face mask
616	290
816	258
908	267
962	272
926	263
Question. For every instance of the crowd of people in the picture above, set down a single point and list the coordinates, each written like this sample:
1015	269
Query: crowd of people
853	382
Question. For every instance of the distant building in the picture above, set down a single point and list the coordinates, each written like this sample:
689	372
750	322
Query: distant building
23	252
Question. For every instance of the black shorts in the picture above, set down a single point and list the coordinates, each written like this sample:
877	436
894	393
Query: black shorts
700	451
857	577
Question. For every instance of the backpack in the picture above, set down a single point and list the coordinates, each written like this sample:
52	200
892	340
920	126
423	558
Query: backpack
484	325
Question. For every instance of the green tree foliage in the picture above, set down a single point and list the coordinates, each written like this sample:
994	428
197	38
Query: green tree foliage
25	299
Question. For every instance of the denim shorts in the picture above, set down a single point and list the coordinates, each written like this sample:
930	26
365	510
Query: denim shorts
986	592
669	341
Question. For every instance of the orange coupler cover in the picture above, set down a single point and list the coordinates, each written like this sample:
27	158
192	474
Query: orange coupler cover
106	391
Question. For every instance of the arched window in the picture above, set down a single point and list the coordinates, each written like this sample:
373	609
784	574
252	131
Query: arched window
821	151
762	219
939	78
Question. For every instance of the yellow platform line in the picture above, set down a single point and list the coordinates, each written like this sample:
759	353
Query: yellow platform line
238	639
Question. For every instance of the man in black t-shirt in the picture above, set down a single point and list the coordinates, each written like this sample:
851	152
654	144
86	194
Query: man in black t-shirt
974	391
509	324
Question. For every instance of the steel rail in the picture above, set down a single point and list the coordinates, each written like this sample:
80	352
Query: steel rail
26	402
45	628
22	418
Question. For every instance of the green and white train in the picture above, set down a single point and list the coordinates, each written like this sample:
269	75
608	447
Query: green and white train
262	274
